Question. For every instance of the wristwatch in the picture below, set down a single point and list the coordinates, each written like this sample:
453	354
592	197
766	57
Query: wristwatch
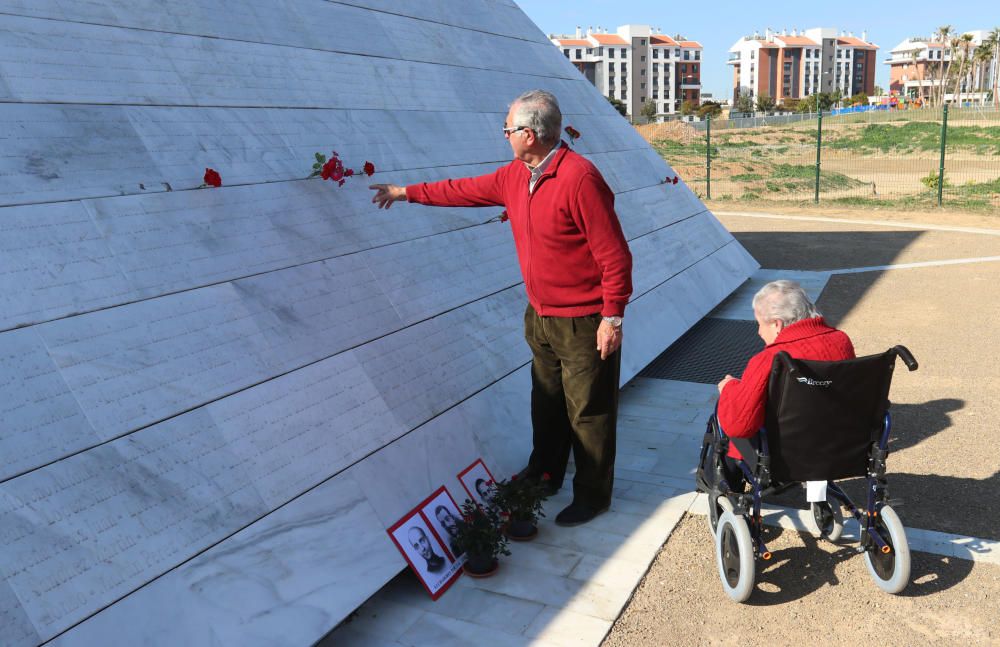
614	321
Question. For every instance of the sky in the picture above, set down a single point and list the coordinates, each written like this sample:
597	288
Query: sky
718	25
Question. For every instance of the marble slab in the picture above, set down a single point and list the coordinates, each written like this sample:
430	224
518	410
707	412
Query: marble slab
284	581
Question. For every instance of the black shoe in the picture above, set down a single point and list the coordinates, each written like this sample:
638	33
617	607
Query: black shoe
575	514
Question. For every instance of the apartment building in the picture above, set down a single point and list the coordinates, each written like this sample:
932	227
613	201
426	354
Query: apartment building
637	64
917	65
797	64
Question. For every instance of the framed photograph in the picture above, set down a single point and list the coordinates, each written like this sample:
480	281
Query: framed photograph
416	538
477	481
443	514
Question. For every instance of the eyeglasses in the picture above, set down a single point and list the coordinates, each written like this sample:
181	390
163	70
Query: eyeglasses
507	132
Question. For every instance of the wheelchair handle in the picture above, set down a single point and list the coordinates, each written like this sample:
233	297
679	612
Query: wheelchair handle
904	353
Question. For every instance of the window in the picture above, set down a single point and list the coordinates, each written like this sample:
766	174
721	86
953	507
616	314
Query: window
687	55
642	42
611	69
753	55
642	86
566	52
684	68
666	53
656	69
624	68
642	59
697	55
590	51
600	51
611	93
579	54
624	95
642	99
642	72
611	52
694	67
623	52
656	53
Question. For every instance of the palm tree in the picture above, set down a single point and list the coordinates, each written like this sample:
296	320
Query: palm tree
943	35
963	44
980	61
915	54
994	38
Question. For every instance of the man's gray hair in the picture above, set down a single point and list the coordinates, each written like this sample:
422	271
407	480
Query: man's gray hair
539	111
784	301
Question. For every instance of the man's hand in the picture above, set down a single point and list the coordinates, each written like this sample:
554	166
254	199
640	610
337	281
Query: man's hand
726	380
609	339
386	194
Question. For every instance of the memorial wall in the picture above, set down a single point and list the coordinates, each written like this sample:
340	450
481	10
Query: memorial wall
214	401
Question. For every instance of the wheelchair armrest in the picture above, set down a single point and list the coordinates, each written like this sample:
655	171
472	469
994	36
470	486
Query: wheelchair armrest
907	357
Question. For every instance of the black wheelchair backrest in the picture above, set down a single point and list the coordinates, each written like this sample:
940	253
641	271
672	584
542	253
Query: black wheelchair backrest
822	417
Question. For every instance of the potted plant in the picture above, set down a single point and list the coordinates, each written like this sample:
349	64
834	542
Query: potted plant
522	500
481	538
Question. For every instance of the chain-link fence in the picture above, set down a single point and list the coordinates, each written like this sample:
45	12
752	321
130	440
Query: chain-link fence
883	158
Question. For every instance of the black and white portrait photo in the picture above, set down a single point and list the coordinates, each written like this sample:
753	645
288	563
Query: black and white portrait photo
443	514
478	482
421	539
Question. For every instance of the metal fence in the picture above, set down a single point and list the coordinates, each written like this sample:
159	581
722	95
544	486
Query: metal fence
877	157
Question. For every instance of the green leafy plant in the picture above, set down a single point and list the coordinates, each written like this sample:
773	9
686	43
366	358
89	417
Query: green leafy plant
522	498
480	531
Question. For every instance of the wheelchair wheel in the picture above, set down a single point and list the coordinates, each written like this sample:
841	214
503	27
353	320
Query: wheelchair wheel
734	556
891	571
722	505
828	519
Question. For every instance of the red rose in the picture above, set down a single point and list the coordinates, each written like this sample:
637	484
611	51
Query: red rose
369	169
504	217
572	132
341	182
212	178
675	179
333	169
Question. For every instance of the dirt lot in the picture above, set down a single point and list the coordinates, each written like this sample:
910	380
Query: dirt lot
943	464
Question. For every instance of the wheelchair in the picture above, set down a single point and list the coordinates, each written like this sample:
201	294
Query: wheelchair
823	421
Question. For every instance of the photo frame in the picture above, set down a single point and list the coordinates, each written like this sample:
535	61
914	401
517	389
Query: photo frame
421	544
473	478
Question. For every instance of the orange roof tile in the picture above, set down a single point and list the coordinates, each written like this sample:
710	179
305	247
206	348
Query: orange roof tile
609	39
574	42
662	41
690	43
855	42
796	40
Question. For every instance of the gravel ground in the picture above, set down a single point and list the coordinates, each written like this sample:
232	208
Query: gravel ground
942	468
814	593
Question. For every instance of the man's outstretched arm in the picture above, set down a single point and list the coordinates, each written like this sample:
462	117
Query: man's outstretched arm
386	194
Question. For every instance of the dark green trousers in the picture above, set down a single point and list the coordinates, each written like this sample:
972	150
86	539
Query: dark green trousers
574	404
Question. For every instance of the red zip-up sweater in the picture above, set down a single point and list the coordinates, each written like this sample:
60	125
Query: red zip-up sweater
573	255
742	401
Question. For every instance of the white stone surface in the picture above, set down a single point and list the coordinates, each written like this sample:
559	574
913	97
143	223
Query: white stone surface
209	394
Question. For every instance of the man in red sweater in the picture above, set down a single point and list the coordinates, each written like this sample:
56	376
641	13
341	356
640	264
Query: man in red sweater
787	321
577	272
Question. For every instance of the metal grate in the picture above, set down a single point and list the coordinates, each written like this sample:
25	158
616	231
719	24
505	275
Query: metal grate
707	352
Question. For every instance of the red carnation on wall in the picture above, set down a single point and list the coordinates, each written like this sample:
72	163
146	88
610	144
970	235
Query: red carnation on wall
675	179
573	133
369	169
212	178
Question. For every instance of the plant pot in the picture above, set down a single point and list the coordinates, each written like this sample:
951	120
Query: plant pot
480	565
522	529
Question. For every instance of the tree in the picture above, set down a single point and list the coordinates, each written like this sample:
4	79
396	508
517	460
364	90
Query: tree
943	35
859	99
744	101
619	106
764	103
709	108
963	44
789	104
994	38
819	101
688	107
649	111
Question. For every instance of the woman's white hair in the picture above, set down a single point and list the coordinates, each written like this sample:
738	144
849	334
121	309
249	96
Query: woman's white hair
783	301
539	110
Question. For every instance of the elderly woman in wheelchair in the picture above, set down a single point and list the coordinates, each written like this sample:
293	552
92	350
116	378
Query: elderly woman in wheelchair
805	410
